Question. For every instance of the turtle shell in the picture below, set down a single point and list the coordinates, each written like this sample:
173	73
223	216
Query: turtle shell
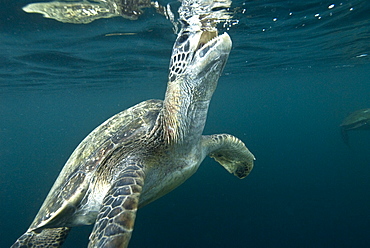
77	175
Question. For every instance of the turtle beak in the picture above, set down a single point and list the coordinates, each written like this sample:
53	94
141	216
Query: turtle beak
210	42
206	37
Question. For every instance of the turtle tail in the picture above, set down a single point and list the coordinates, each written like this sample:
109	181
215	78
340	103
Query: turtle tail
49	237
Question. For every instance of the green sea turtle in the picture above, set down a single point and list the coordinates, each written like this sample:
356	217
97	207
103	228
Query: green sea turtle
86	11
142	153
358	120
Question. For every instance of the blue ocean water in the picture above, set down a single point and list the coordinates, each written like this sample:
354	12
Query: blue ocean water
297	68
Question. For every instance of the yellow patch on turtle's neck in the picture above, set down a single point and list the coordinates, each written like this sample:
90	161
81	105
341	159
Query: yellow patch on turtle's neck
172	112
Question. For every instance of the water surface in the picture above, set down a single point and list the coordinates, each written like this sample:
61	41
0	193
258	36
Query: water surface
295	71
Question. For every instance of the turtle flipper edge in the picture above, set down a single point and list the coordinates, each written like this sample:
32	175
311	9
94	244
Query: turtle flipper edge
230	152
49	237
115	221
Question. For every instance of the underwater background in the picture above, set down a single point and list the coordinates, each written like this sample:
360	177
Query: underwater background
297	68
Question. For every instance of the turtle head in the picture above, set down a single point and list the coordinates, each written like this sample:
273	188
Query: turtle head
197	61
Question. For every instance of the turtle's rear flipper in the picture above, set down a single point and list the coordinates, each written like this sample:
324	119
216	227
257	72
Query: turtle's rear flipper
115	221
49	237
230	152
74	12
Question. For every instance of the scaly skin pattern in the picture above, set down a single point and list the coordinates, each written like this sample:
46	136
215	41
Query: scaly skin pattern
144	152
115	221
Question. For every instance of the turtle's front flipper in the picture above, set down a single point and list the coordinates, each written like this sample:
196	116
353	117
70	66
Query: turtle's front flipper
230	152
72	12
49	237
115	221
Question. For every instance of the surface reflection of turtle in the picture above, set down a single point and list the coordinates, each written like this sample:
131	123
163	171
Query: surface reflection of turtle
142	153
86	11
358	120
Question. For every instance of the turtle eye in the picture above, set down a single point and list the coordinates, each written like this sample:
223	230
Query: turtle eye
184	37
